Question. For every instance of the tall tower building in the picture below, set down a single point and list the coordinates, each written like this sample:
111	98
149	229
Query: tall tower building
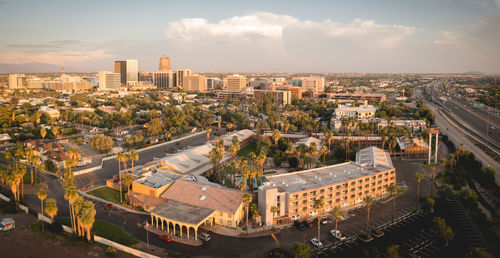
17	81
236	83
128	70
109	80
164	64
197	83
180	77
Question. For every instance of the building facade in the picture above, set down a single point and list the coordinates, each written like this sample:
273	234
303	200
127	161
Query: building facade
163	79
236	82
17	81
282	97
195	82
164	64
343	185
109	80
179	77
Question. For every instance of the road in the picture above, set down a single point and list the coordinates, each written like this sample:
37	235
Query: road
110	167
223	246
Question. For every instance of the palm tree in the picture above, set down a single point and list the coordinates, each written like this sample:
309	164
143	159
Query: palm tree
30	155
418	178
87	217
51	208
335	214
247	199
318	205
229	126
323	151
42	194
121	157
394	191
216	155
329	138
242	185
368	201
133	155
71	194
433	169
13	178
127	181
274	209
301	250
77	206
261	159
276	136
207	132
43	132
36	162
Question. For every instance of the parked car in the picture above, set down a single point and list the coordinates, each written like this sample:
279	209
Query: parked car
316	243
7	224
337	235
204	236
166	238
108	206
299	225
323	221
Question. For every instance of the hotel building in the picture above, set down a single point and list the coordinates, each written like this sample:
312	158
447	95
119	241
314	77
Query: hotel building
344	185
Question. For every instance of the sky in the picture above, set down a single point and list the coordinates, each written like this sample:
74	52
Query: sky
380	36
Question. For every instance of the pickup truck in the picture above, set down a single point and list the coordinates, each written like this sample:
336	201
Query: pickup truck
7	224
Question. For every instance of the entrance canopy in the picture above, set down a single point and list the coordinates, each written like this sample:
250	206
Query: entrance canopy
183	213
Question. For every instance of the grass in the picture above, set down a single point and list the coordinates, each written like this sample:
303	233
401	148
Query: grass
106	193
7	207
107	230
247	149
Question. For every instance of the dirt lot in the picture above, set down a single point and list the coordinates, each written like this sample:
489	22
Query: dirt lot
21	242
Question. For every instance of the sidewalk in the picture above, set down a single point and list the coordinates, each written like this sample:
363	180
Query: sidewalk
84	194
225	231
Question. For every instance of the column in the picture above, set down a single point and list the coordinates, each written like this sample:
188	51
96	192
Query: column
162	224
436	149
156	221
174	227
168	227
180	230
430	148
195	233
151	218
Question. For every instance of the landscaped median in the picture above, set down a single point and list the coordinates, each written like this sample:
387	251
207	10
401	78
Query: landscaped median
106	193
107	230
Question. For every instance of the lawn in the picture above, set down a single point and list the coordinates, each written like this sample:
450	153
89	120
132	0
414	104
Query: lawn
106	193
107	230
247	149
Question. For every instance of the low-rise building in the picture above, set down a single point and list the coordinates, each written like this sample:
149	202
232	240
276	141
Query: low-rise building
343	185
280	96
358	112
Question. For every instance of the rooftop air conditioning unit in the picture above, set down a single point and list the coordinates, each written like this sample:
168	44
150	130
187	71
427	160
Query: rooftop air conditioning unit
202	197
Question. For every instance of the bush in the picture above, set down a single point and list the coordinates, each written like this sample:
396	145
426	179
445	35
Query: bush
364	235
427	202
278	253
111	251
293	161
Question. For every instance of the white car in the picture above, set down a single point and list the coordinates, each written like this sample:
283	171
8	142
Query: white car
316	243
337	235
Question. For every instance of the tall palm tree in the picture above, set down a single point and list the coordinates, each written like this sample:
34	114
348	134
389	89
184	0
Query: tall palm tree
51	208
318	205
323	151
247	199
133	155
121	158
368	201
71	194
30	155
433	169
274	209
13	178
77	206
207	132
418	178
36	162
276	136
260	161
242	185
235	164
329	138
394	191
87	217
335	214
42	194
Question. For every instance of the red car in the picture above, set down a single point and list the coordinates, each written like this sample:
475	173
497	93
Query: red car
166	238
108	206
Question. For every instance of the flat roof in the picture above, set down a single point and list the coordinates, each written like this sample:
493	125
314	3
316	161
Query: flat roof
319	177
183	212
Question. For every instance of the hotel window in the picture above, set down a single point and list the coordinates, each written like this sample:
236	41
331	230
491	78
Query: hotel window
305	208
278	199
366	179
353	183
367	185
360	181
352	195
379	182
359	194
337	200
296	210
337	187
353	189
330	188
296	203
229	215
304	194
344	185
313	192
229	223
345	197
295	196
367	191
329	202
304	201
337	194
322	191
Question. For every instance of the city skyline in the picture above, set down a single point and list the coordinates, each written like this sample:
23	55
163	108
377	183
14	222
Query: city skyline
384	37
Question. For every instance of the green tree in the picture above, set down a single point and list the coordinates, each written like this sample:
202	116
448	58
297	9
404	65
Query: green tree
318	205
301	250
102	142
51	208
335	214
87	217
274	209
42	194
247	199
43	132
393	251
71	194
276	136
368	201
133	155
418	178
444	231
154	127
395	191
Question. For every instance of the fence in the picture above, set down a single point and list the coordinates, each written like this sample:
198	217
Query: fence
123	248
5	198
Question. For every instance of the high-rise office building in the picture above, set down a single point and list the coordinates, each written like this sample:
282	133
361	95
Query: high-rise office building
197	83
314	84
128	70
109	80
180	74
236	82
17	81
163	79
164	64
214	83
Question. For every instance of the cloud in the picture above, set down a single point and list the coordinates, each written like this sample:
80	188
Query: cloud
53	57
56	44
274	26
449	39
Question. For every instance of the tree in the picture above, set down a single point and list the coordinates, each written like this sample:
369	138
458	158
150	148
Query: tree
127	181
235	146
13	177
323	151
444	231
55	131
51	207
301	250
77	206
102	142
418	178
71	194
335	214
229	126
133	155
207	132
393	251
242	185
247	199
274	209
368	201
42	194
443	167
276	136
255	211
216	155
329	137
394	191
154	127
318	205
43	132
121	157
87	217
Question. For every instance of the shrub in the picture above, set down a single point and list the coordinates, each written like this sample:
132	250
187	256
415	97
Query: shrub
111	251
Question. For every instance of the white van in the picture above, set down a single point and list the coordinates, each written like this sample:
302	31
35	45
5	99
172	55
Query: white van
7	224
